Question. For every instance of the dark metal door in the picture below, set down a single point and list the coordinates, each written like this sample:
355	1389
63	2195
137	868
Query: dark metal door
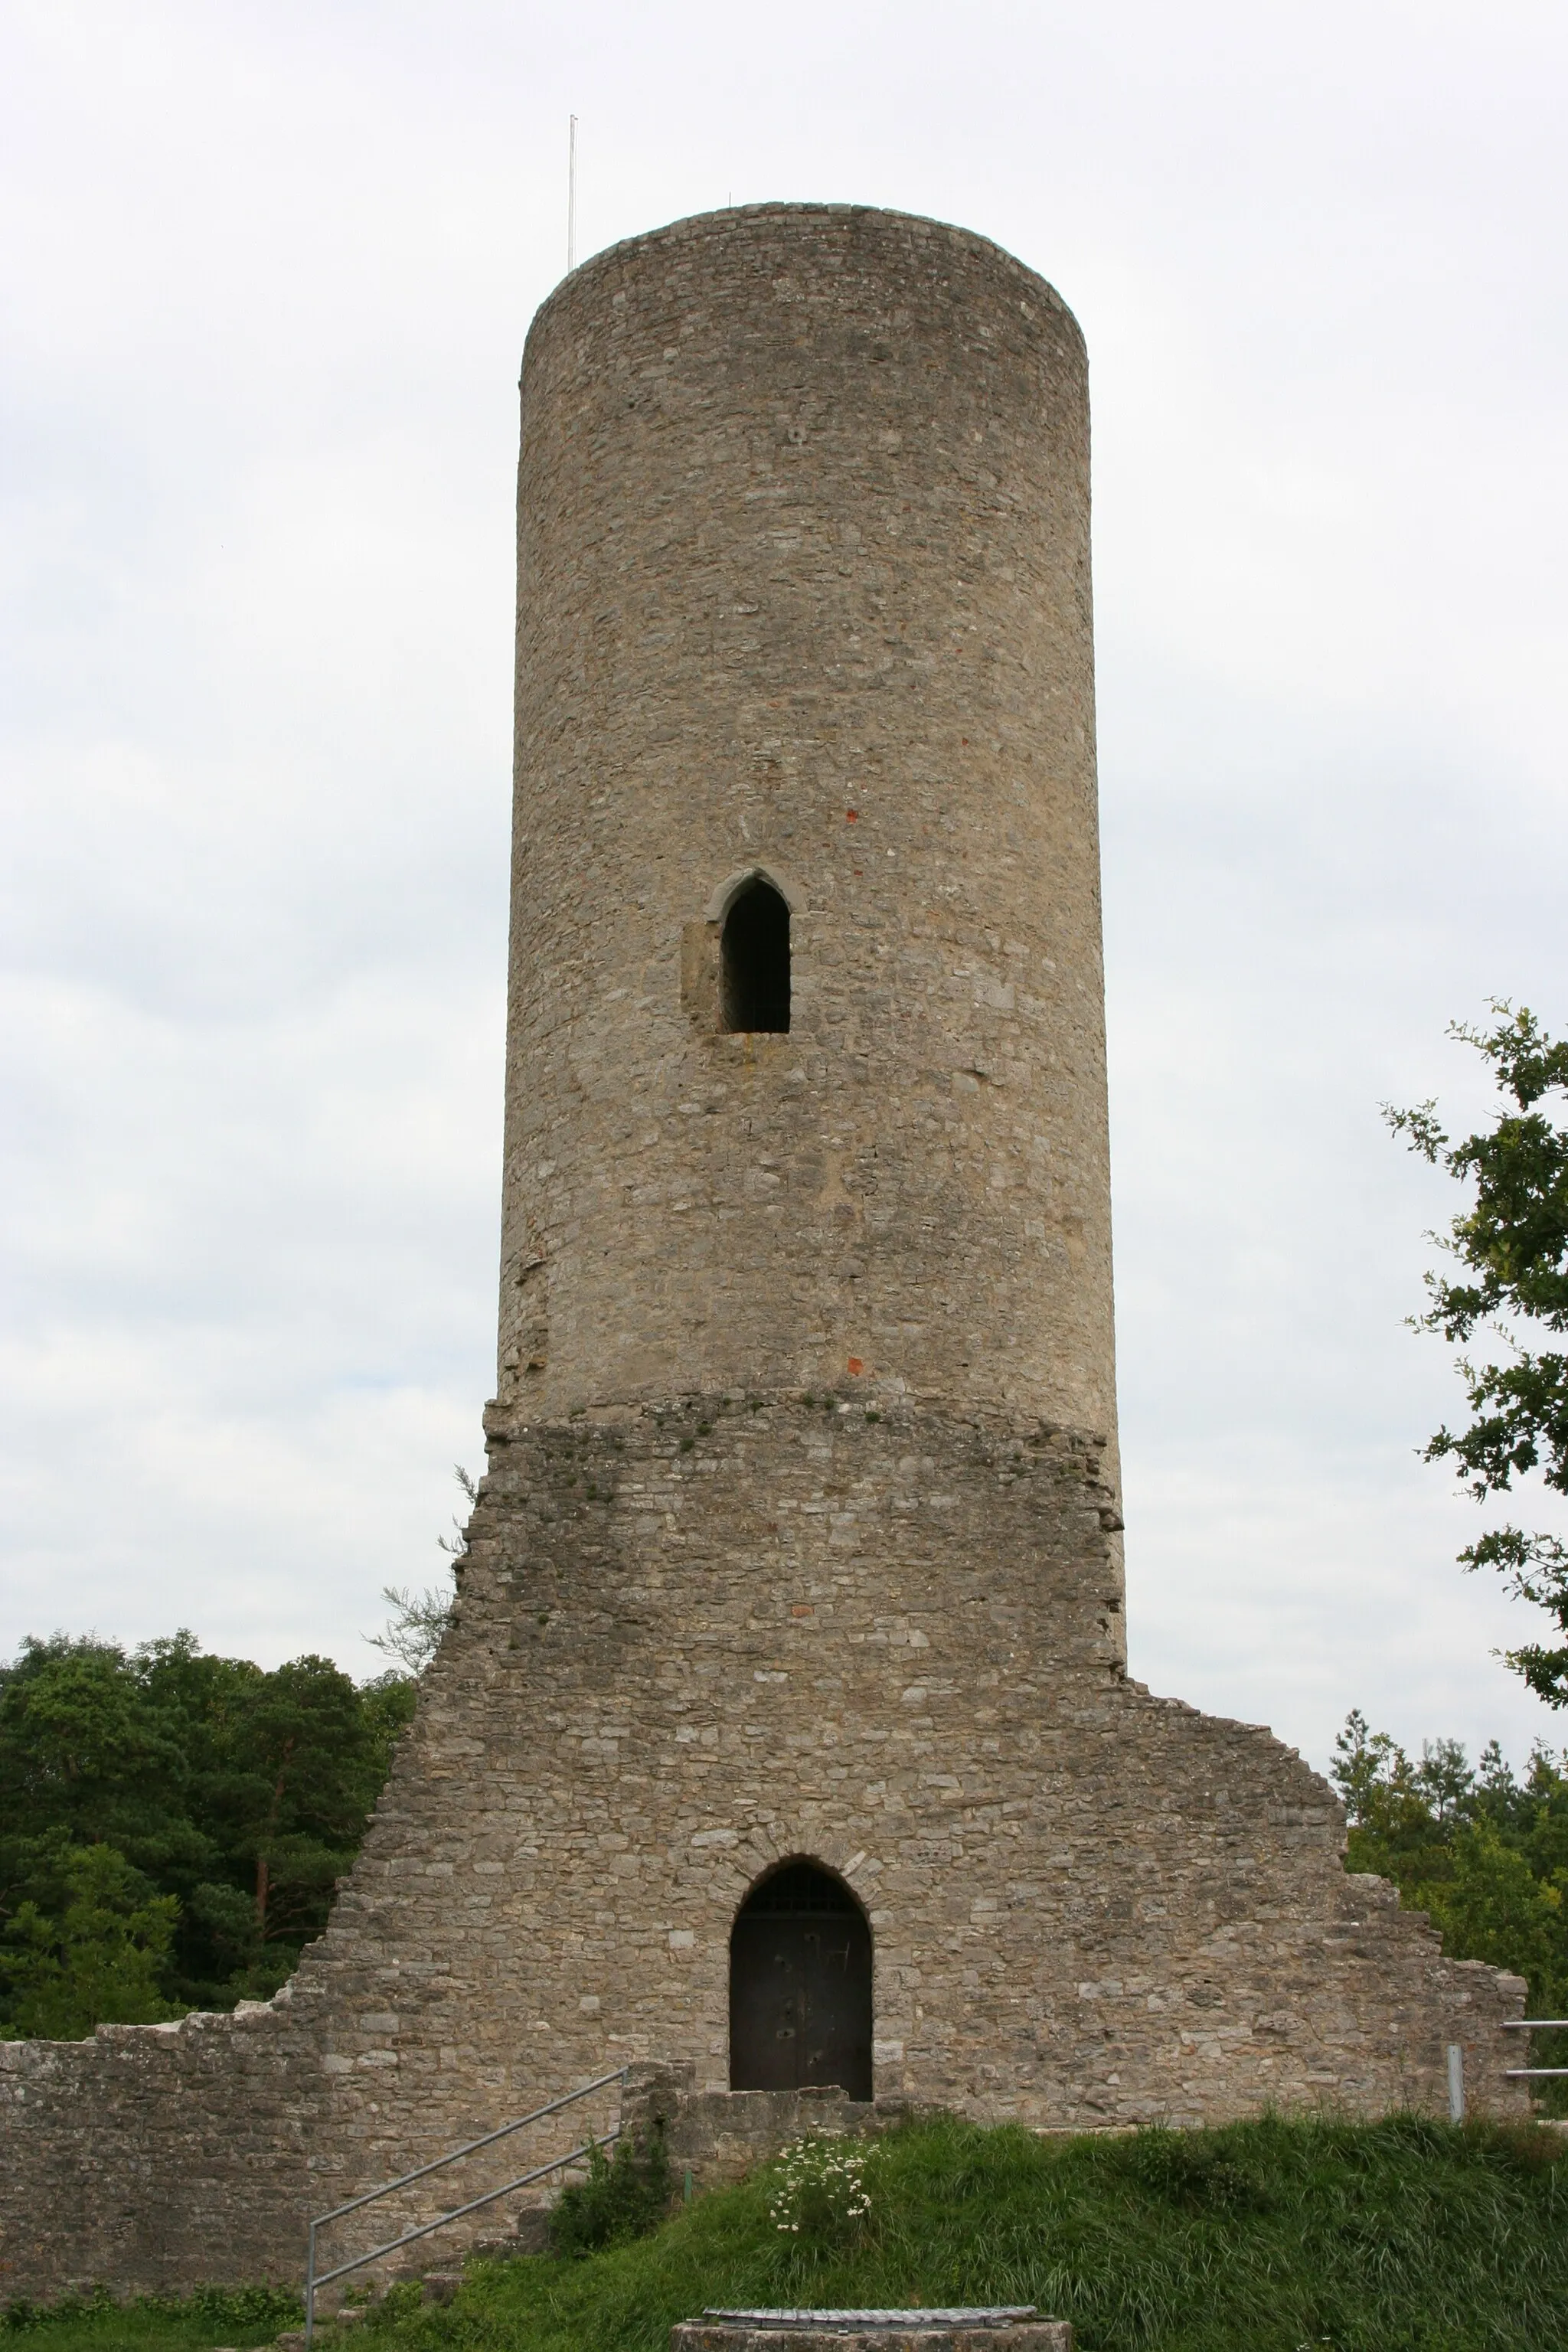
800	2001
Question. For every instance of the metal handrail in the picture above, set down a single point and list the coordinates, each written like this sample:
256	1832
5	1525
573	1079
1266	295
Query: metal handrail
1534	2025
324	2278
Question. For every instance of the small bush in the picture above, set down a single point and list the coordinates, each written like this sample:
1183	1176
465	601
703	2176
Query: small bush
624	2198
242	2309
68	2310
403	2300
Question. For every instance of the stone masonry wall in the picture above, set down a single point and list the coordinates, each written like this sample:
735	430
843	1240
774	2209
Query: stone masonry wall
804	588
699	1638
154	2156
696	1638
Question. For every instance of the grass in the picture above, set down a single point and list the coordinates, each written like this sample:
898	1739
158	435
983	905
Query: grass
1399	2236
240	2316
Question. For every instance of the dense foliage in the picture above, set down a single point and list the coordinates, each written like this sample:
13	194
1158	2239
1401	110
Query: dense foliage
1512	1245
624	2197
1484	1853
240	2315
1404	2236
171	1825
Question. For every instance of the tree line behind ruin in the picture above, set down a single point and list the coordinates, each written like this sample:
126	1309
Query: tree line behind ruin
173	1825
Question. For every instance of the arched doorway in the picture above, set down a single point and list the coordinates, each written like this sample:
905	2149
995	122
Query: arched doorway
800	1985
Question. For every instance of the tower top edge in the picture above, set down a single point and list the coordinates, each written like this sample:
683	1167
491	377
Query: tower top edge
695	230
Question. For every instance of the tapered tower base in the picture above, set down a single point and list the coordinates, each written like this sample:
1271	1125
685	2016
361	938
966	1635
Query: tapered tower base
701	1639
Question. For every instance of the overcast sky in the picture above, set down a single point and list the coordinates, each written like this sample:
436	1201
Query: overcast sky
264	282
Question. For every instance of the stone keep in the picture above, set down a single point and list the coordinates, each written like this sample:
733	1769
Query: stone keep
803	554
796	1566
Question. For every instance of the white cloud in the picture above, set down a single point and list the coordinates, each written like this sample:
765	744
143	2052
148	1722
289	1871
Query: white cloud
266	284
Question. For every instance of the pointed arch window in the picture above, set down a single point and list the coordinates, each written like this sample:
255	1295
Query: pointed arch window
753	959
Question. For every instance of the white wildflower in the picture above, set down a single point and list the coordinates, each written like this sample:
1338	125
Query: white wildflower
821	2189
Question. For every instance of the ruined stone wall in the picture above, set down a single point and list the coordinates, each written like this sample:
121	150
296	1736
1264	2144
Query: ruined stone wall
153	2156
804	586
694	1639
698	1638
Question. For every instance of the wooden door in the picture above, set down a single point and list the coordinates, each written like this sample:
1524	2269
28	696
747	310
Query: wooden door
800	2001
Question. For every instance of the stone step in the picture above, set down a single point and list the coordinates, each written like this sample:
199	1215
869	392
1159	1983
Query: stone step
440	2286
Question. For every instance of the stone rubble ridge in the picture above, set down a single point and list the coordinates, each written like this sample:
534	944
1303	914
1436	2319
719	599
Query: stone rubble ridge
17	2054
881	1399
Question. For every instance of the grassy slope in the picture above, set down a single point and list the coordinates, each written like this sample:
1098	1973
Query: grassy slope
1402	2236
1395	2236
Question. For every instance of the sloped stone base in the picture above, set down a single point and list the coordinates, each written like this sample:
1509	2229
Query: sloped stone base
696	1639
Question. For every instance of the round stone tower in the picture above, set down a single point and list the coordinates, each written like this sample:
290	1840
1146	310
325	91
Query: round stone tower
781	1741
806	1077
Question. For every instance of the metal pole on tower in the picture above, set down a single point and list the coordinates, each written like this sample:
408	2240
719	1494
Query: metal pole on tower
570	193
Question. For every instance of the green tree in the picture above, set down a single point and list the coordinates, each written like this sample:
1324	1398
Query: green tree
97	1958
1494	1907
1511	1244
297	1796
1484	1853
233	1797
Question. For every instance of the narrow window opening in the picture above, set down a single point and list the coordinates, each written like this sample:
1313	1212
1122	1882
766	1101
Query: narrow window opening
754	960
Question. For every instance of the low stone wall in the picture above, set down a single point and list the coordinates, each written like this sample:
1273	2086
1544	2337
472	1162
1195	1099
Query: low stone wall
717	2136
152	2158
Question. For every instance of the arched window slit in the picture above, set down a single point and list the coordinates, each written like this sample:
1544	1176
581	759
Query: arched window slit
754	960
